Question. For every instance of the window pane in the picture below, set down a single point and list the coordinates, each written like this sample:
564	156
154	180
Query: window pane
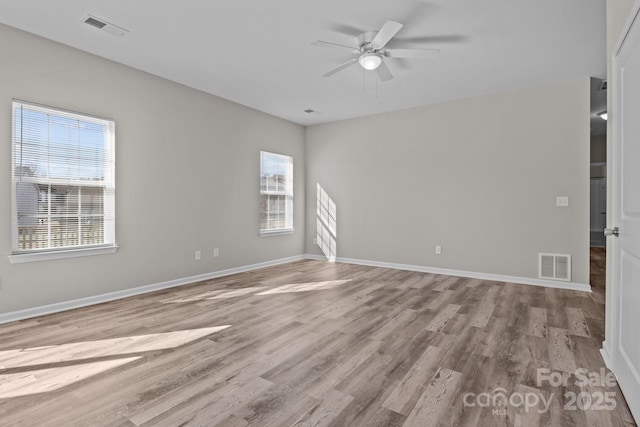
63	173
280	204
64	232
64	200
33	236
92	230
276	179
92	201
289	212
264	212
28	206
263	183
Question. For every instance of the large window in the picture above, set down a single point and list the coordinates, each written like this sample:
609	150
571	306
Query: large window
62	180
276	193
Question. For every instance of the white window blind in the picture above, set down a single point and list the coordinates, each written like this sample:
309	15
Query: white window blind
276	192
63	184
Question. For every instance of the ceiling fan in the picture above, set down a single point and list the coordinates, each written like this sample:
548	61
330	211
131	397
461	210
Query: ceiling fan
371	51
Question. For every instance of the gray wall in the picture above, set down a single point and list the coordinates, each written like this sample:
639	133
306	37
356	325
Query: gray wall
598	156
598	149
478	177
187	174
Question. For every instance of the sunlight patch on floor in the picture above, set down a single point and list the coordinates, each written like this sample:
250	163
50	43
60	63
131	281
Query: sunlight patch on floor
51	379
217	294
305	287
32	381
239	292
101	348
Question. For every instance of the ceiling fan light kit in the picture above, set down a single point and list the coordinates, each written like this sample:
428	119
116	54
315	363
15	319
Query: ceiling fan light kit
370	61
372	52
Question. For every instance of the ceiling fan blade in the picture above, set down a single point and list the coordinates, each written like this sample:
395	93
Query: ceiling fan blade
383	72
401	63
334	45
386	33
340	67
443	38
412	53
347	30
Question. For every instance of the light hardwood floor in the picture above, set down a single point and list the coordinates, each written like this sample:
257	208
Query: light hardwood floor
312	344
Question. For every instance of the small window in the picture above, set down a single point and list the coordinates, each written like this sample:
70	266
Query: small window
63	182
276	193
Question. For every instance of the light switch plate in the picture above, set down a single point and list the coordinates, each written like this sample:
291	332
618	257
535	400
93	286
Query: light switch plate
562	201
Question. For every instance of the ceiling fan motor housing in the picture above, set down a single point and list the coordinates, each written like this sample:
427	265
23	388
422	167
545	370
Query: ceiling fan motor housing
364	41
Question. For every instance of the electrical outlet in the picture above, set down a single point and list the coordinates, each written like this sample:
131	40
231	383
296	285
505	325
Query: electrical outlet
216	252
562	201
438	250
198	255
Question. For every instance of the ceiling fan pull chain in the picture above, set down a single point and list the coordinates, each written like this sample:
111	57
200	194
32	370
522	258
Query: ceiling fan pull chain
364	75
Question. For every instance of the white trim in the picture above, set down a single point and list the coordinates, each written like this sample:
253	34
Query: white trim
63	110
318	257
71	253
98	299
107	183
287	193
574	286
278	232
606	355
322	258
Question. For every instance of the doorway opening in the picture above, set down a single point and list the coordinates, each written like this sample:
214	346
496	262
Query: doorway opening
598	183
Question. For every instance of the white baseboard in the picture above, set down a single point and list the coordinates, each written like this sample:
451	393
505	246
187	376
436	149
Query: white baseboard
574	286
606	355
320	258
97	299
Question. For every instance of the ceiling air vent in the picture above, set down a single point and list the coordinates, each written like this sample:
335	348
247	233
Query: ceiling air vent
105	26
94	22
554	267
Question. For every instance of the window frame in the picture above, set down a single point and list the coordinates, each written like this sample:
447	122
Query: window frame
108	199
288	194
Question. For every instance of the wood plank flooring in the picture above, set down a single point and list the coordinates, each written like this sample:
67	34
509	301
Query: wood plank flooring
316	344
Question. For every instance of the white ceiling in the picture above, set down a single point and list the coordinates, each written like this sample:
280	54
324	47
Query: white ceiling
258	52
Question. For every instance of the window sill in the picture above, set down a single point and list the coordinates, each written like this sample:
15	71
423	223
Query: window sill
71	253
268	233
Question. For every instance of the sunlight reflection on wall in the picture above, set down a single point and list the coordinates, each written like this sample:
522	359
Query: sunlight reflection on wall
326	224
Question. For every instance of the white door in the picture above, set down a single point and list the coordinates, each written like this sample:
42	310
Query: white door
625	286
